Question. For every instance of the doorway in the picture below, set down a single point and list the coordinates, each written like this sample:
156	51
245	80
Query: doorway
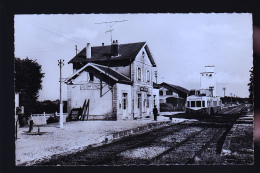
124	105
139	105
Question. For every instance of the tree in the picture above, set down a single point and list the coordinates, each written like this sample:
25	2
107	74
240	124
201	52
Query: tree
28	79
251	86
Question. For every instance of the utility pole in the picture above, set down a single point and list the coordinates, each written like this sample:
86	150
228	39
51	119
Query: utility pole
224	89
61	63
231	97
110	24
76	49
155	74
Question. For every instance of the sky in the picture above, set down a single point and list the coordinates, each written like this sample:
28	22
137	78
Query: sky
181	44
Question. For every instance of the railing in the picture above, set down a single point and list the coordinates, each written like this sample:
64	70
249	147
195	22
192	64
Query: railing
85	110
48	115
39	119
58	114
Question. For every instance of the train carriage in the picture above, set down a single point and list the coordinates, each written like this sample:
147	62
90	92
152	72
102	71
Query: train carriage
201	104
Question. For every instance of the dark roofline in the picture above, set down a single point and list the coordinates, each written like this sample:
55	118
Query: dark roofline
149	55
176	87
156	86
79	57
122	79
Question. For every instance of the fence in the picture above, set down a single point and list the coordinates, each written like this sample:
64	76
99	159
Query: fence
40	119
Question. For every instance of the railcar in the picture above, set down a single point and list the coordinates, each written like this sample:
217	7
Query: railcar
202	104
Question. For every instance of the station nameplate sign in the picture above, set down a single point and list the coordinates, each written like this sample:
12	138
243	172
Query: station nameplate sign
90	86
144	89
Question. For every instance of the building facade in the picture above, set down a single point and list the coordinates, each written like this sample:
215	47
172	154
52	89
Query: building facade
173	95
114	81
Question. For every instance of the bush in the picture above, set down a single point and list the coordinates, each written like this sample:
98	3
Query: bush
53	119
166	107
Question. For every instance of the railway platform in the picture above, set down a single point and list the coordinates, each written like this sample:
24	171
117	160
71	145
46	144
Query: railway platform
47	140
238	146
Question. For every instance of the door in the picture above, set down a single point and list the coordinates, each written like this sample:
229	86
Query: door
148	105
124	105
144	104
139	105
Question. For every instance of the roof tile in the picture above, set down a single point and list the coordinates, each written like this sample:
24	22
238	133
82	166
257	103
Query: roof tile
102	53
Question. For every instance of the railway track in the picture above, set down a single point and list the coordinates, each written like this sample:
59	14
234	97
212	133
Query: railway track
234	110
180	143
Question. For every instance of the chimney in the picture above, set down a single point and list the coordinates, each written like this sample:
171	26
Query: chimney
114	48
103	44
88	51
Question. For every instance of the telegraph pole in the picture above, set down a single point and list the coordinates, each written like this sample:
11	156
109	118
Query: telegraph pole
110	24
61	63
155	73
224	88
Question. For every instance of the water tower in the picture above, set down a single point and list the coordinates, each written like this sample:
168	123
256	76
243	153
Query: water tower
208	81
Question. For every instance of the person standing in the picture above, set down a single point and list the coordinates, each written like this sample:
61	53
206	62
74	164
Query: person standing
155	113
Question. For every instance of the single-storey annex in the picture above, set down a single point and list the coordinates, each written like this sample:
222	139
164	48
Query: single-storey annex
174	95
113	82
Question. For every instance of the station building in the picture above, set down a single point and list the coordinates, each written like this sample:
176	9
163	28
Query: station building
113	82
174	95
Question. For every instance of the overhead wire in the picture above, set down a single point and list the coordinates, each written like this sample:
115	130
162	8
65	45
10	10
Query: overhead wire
34	35
52	31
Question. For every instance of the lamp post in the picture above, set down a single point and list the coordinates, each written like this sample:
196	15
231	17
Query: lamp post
61	63
155	73
224	89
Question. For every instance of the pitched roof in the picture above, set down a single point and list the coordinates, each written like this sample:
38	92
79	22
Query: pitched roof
102	53
175	87
155	85
118	77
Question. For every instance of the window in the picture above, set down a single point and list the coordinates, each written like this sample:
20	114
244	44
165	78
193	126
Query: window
202	74
91	77
148	102
192	103
168	92
143	54
188	104
198	103
160	93
139	74
206	74
124	100
203	103
214	103
148	76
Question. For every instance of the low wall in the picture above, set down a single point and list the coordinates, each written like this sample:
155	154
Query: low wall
39	120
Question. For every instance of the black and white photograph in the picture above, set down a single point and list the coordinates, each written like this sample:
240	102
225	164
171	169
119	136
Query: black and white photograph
133	89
